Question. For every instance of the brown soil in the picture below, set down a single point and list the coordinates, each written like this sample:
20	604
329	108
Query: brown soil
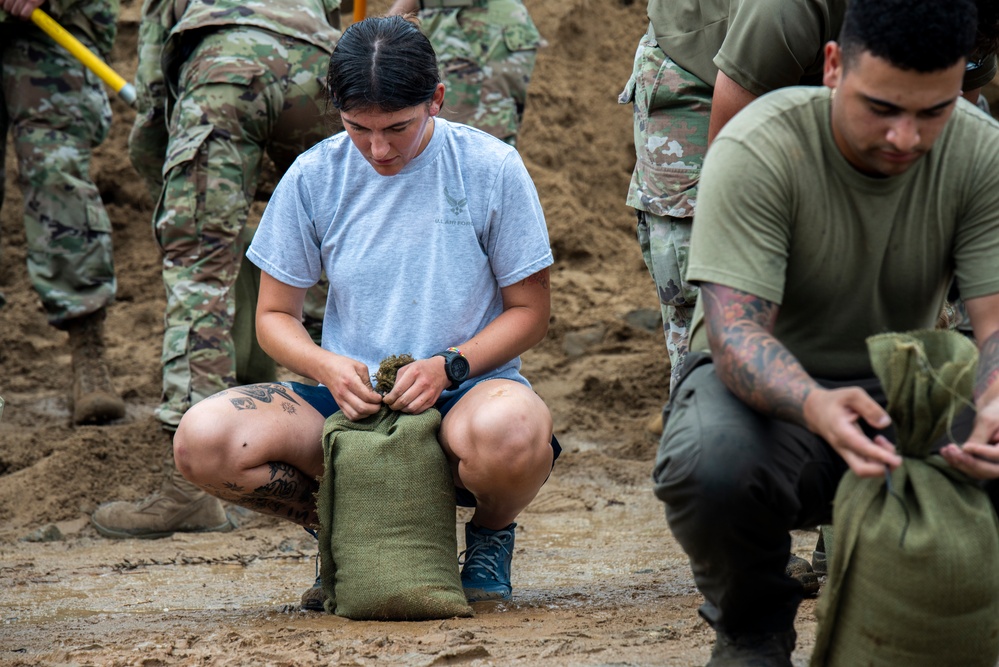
598	578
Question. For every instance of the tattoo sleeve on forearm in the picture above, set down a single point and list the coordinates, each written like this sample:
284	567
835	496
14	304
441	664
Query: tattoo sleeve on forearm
988	365
752	363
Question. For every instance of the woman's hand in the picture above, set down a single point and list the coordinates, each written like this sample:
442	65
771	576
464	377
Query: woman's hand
350	385
418	385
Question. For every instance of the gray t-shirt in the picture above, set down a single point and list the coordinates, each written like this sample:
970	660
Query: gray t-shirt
415	261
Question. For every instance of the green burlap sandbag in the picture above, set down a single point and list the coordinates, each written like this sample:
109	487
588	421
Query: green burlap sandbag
914	575
386	520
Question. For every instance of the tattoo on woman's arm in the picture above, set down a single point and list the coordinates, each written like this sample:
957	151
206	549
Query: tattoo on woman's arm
539	278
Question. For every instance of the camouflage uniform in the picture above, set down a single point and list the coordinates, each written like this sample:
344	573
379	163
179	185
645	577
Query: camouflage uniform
762	45
58	112
487	52
671	112
218	86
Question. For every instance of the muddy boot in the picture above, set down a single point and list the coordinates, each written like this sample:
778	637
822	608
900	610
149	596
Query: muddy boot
94	397
800	569
178	506
314	599
772	649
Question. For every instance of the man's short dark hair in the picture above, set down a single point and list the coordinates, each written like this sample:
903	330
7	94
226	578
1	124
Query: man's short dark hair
920	35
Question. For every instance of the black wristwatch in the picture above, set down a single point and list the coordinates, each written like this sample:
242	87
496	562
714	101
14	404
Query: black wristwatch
455	365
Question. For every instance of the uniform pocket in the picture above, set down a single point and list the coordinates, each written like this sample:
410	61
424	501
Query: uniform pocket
97	217
184	148
175	347
232	71
521	37
182	181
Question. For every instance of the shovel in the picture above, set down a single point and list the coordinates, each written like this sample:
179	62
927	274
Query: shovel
125	90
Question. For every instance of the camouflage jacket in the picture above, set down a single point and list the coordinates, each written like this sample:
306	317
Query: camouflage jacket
97	19
162	47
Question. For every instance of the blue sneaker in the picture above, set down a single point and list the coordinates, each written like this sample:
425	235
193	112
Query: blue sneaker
485	572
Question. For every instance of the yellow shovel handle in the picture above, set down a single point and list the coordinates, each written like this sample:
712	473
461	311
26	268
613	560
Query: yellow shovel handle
124	89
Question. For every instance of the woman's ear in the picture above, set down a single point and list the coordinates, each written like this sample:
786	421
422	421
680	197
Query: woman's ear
437	101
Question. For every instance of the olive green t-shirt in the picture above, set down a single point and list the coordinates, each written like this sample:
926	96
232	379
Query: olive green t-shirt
783	215
760	44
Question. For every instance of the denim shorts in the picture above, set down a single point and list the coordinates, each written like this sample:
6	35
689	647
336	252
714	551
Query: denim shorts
321	399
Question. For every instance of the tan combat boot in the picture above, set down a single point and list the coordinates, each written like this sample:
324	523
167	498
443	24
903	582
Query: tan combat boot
178	506
94	397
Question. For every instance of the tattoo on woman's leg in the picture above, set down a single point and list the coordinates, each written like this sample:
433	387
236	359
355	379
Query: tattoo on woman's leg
289	494
265	393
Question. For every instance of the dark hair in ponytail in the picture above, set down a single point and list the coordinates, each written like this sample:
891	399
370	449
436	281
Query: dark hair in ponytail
382	63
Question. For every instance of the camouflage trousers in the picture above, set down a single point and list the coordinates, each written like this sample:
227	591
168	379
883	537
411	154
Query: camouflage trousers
241	93
665	244
487	55
672	108
58	113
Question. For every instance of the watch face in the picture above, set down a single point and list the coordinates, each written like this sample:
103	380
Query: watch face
459	367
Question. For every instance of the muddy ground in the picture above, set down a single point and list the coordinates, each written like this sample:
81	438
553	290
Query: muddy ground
598	579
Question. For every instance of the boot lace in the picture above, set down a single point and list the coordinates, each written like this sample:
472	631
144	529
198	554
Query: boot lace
485	558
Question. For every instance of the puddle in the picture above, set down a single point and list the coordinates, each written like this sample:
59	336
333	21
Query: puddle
156	590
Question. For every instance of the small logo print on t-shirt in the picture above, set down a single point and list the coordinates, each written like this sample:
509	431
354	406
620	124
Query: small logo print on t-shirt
457	205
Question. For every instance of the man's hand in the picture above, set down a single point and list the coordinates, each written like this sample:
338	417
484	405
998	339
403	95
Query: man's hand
350	385
833	414
978	457
21	8
418	385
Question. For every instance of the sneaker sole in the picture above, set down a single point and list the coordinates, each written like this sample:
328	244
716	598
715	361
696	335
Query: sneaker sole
479	595
125	535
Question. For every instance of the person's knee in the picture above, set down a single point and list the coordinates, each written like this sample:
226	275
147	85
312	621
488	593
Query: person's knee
515	444
709	473
198	444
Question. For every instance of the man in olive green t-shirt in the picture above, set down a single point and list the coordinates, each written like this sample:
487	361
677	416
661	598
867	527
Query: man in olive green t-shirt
700	62
845	211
